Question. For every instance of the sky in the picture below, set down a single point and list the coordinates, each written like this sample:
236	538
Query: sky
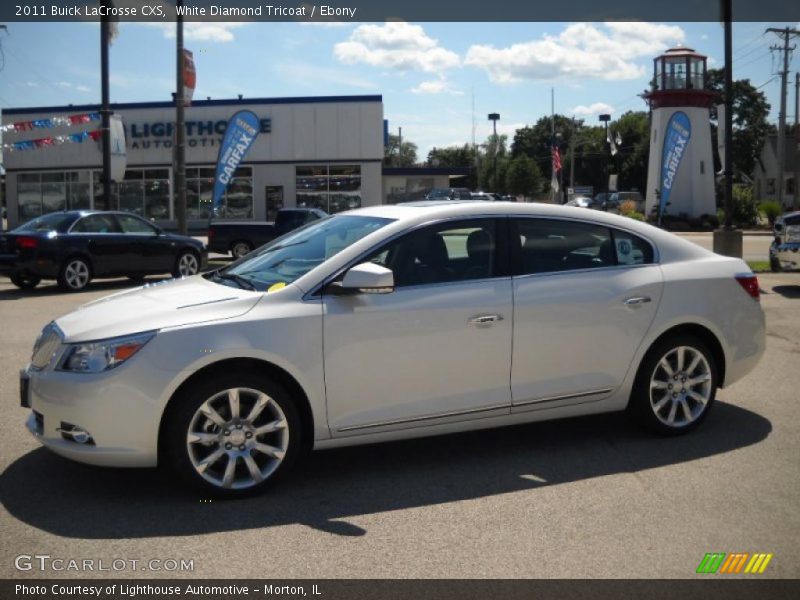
429	74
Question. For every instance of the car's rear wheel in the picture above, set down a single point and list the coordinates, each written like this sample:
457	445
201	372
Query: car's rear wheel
240	249
24	281
675	387
233	435
186	265
75	274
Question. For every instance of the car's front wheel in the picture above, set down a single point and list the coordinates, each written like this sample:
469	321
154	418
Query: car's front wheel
774	264
24	281
75	274
186	265
675	386
233	435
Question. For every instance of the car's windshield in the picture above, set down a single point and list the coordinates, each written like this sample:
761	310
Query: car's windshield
48	222
290	257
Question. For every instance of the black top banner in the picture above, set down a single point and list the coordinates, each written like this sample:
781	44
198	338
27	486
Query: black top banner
349	11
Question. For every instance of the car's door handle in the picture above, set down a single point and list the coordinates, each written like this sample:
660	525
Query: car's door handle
637	300
485	319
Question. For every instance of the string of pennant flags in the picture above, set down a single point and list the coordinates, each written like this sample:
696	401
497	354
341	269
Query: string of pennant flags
57	140
51	122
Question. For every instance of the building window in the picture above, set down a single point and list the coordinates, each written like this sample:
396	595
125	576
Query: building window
237	202
144	192
51	191
332	188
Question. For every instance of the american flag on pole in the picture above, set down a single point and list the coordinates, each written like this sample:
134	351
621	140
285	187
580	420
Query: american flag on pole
556	168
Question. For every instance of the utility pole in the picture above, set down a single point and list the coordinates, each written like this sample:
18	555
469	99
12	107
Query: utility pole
180	130
105	108
785	33
796	198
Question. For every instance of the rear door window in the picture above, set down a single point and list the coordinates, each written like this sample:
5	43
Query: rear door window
552	245
96	224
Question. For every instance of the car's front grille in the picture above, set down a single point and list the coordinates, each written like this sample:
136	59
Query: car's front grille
46	345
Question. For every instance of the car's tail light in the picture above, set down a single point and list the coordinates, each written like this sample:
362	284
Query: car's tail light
749	284
27	242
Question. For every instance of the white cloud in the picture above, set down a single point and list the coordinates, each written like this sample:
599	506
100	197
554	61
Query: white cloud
593	109
199	31
71	86
436	86
582	50
396	45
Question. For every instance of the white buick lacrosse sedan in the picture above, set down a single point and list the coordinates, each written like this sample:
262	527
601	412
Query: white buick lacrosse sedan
392	322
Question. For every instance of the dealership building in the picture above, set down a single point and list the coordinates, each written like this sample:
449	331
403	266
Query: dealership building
323	152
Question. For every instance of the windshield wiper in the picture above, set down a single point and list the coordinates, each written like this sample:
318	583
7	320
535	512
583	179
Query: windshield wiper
242	282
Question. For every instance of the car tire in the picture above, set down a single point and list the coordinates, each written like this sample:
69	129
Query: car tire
774	264
240	249
675	386
212	440
25	282
187	264
75	274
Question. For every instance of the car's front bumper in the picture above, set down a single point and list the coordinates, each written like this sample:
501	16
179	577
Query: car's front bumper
787	255
121	410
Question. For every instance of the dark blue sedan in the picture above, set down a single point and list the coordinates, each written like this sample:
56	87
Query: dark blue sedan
73	247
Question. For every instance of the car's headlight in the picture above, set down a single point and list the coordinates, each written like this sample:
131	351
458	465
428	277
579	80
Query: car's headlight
94	357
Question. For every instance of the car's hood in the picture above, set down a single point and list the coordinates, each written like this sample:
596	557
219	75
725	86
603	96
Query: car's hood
155	306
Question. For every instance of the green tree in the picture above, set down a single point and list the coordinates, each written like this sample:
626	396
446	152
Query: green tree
396	154
631	161
523	177
493	152
456	156
750	125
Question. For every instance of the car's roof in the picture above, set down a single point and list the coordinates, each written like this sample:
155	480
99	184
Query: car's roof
413	213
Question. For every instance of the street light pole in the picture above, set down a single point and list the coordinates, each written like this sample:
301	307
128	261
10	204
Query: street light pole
605	119
180	130
494	118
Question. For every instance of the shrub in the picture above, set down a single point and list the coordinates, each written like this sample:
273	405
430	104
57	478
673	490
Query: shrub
637	216
771	210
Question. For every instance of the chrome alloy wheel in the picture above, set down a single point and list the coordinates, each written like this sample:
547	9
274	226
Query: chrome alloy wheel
240	249
237	438
680	386
188	265
76	274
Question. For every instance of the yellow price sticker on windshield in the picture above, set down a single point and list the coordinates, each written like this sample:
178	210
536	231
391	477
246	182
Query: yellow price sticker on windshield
276	286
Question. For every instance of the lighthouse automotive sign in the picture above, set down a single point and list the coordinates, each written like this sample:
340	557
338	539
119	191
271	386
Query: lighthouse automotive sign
676	139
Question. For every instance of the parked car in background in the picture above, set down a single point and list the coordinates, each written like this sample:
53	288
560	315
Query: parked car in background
393	322
242	237
74	247
449	194
616	199
489	196
784	253
583	202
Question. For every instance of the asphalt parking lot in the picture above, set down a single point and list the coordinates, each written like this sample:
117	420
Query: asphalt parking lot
589	497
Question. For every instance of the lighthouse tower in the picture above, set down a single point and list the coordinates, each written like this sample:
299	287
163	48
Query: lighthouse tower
680	173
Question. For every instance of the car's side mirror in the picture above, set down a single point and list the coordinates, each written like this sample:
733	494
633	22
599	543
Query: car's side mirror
367	278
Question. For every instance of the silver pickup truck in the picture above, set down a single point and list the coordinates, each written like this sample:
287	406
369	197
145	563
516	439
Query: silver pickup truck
784	253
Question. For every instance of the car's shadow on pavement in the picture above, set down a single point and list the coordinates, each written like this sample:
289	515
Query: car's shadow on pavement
787	291
73	500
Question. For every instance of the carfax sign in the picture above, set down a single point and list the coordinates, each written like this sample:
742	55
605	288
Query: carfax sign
239	136
676	139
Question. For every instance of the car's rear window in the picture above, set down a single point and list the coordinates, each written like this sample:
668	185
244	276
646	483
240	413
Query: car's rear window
50	222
